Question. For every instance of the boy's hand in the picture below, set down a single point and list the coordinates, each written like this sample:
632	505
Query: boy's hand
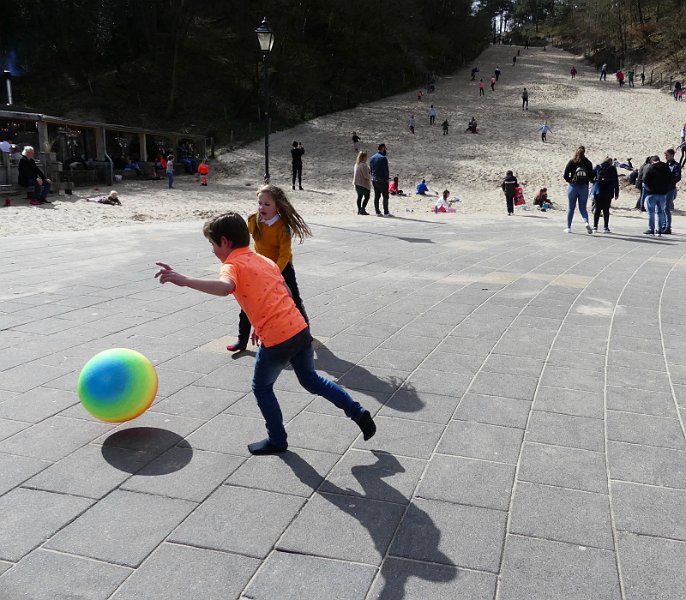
254	338
167	274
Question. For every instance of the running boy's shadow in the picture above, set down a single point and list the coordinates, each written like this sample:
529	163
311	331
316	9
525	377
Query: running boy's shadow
371	478
382	390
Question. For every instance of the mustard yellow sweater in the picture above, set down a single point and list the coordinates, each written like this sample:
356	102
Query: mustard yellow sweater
274	241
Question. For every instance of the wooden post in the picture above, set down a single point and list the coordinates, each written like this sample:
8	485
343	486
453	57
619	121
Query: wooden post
43	139
143	147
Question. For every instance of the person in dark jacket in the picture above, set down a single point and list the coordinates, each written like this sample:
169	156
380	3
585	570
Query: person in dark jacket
640	203
605	188
508	186
657	181
31	176
578	174
378	166
297	152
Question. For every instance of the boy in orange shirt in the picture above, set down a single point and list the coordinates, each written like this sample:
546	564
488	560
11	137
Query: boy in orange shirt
203	171
260	290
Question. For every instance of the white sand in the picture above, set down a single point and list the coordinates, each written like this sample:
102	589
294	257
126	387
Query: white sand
606	119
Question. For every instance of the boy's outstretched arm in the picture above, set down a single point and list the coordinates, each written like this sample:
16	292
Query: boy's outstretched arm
216	287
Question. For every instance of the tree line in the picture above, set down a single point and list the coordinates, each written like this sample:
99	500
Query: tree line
195	64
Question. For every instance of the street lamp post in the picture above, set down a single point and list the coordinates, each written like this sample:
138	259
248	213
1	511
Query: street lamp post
265	37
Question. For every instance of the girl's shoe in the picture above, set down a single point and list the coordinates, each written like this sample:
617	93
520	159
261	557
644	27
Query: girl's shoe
236	347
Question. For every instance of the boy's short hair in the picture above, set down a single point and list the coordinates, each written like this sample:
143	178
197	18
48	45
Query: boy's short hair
229	225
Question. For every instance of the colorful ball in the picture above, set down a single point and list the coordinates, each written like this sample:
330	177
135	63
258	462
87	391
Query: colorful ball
117	385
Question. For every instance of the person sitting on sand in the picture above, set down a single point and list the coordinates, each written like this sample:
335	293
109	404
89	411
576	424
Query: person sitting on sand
112	199
623	165
541	199
443	204
472	126
393	187
422	188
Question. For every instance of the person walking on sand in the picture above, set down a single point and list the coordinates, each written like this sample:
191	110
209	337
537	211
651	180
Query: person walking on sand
411	123
297	152
573	71
493	80
514	61
481	88
362	182
378	166
497	73
445	126
603	72
544	129
578	174
284	335
509	186
525	100
630	76
432	115
356	143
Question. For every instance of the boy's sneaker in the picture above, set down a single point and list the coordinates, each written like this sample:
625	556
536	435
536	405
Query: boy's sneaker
667	230
649	232
388	215
237	347
379	214
35	202
595	230
588	227
265	447
568	230
367	425
606	230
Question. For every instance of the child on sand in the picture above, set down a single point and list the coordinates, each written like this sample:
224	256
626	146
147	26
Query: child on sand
170	170
285	338
542	201
393	187
508	185
422	188
411	123
443	205
203	171
272	228
481	88
112	199
445	126
544	129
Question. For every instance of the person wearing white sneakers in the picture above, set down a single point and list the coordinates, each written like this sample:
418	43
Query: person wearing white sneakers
578	174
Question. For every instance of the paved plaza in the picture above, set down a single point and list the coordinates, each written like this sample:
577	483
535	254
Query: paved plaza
528	388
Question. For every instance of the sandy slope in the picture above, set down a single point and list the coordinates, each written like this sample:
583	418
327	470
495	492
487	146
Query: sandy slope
606	119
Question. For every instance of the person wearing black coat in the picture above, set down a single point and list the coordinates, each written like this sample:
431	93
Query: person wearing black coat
578	174
30	176
605	188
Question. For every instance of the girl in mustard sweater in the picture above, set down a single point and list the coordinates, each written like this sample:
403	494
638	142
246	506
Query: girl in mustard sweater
272	228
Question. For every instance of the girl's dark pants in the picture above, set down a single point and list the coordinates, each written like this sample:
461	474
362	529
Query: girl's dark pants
362	198
510	204
289	277
298	173
604	207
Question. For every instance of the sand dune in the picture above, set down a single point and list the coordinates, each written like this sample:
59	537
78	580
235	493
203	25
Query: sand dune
606	119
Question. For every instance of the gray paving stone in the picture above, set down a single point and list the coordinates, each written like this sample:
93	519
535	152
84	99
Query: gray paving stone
571	344
402	341
639	378
230	377
363	527
47	575
229	434
373	379
232	519
86	472
648	402
505	385
375	475
322	432
562	514
480	440
565	467
175	572
645	429
451	534
468	481
573	379
566	430
636	358
466	346
25	377
184	473
330	579
291	403
122	528
53	438
9	428
409	404
371	401
37	404
399	360
538	569
436	382
412	580
357	346
570	402
198	402
403	437
625	343
577	360
29	517
513	365
4	566
197	362
445	361
508	412
649	510
652	567
298	472
647	464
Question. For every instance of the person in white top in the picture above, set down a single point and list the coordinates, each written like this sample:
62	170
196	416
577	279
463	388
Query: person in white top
432	115
362	182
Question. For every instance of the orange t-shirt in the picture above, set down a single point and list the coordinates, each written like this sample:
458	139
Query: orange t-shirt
203	169
262	294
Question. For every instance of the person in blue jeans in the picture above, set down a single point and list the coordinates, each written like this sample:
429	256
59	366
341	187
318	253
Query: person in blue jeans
378	166
657	181
170	170
675	168
578	174
284	336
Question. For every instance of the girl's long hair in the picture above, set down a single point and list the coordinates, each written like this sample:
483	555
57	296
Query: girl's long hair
579	155
362	156
294	223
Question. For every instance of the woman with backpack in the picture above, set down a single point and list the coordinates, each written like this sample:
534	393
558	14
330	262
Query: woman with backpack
578	174
605	188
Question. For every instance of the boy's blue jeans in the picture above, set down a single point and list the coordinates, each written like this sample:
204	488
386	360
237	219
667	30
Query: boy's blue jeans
170	179
299	353
656	202
577	192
